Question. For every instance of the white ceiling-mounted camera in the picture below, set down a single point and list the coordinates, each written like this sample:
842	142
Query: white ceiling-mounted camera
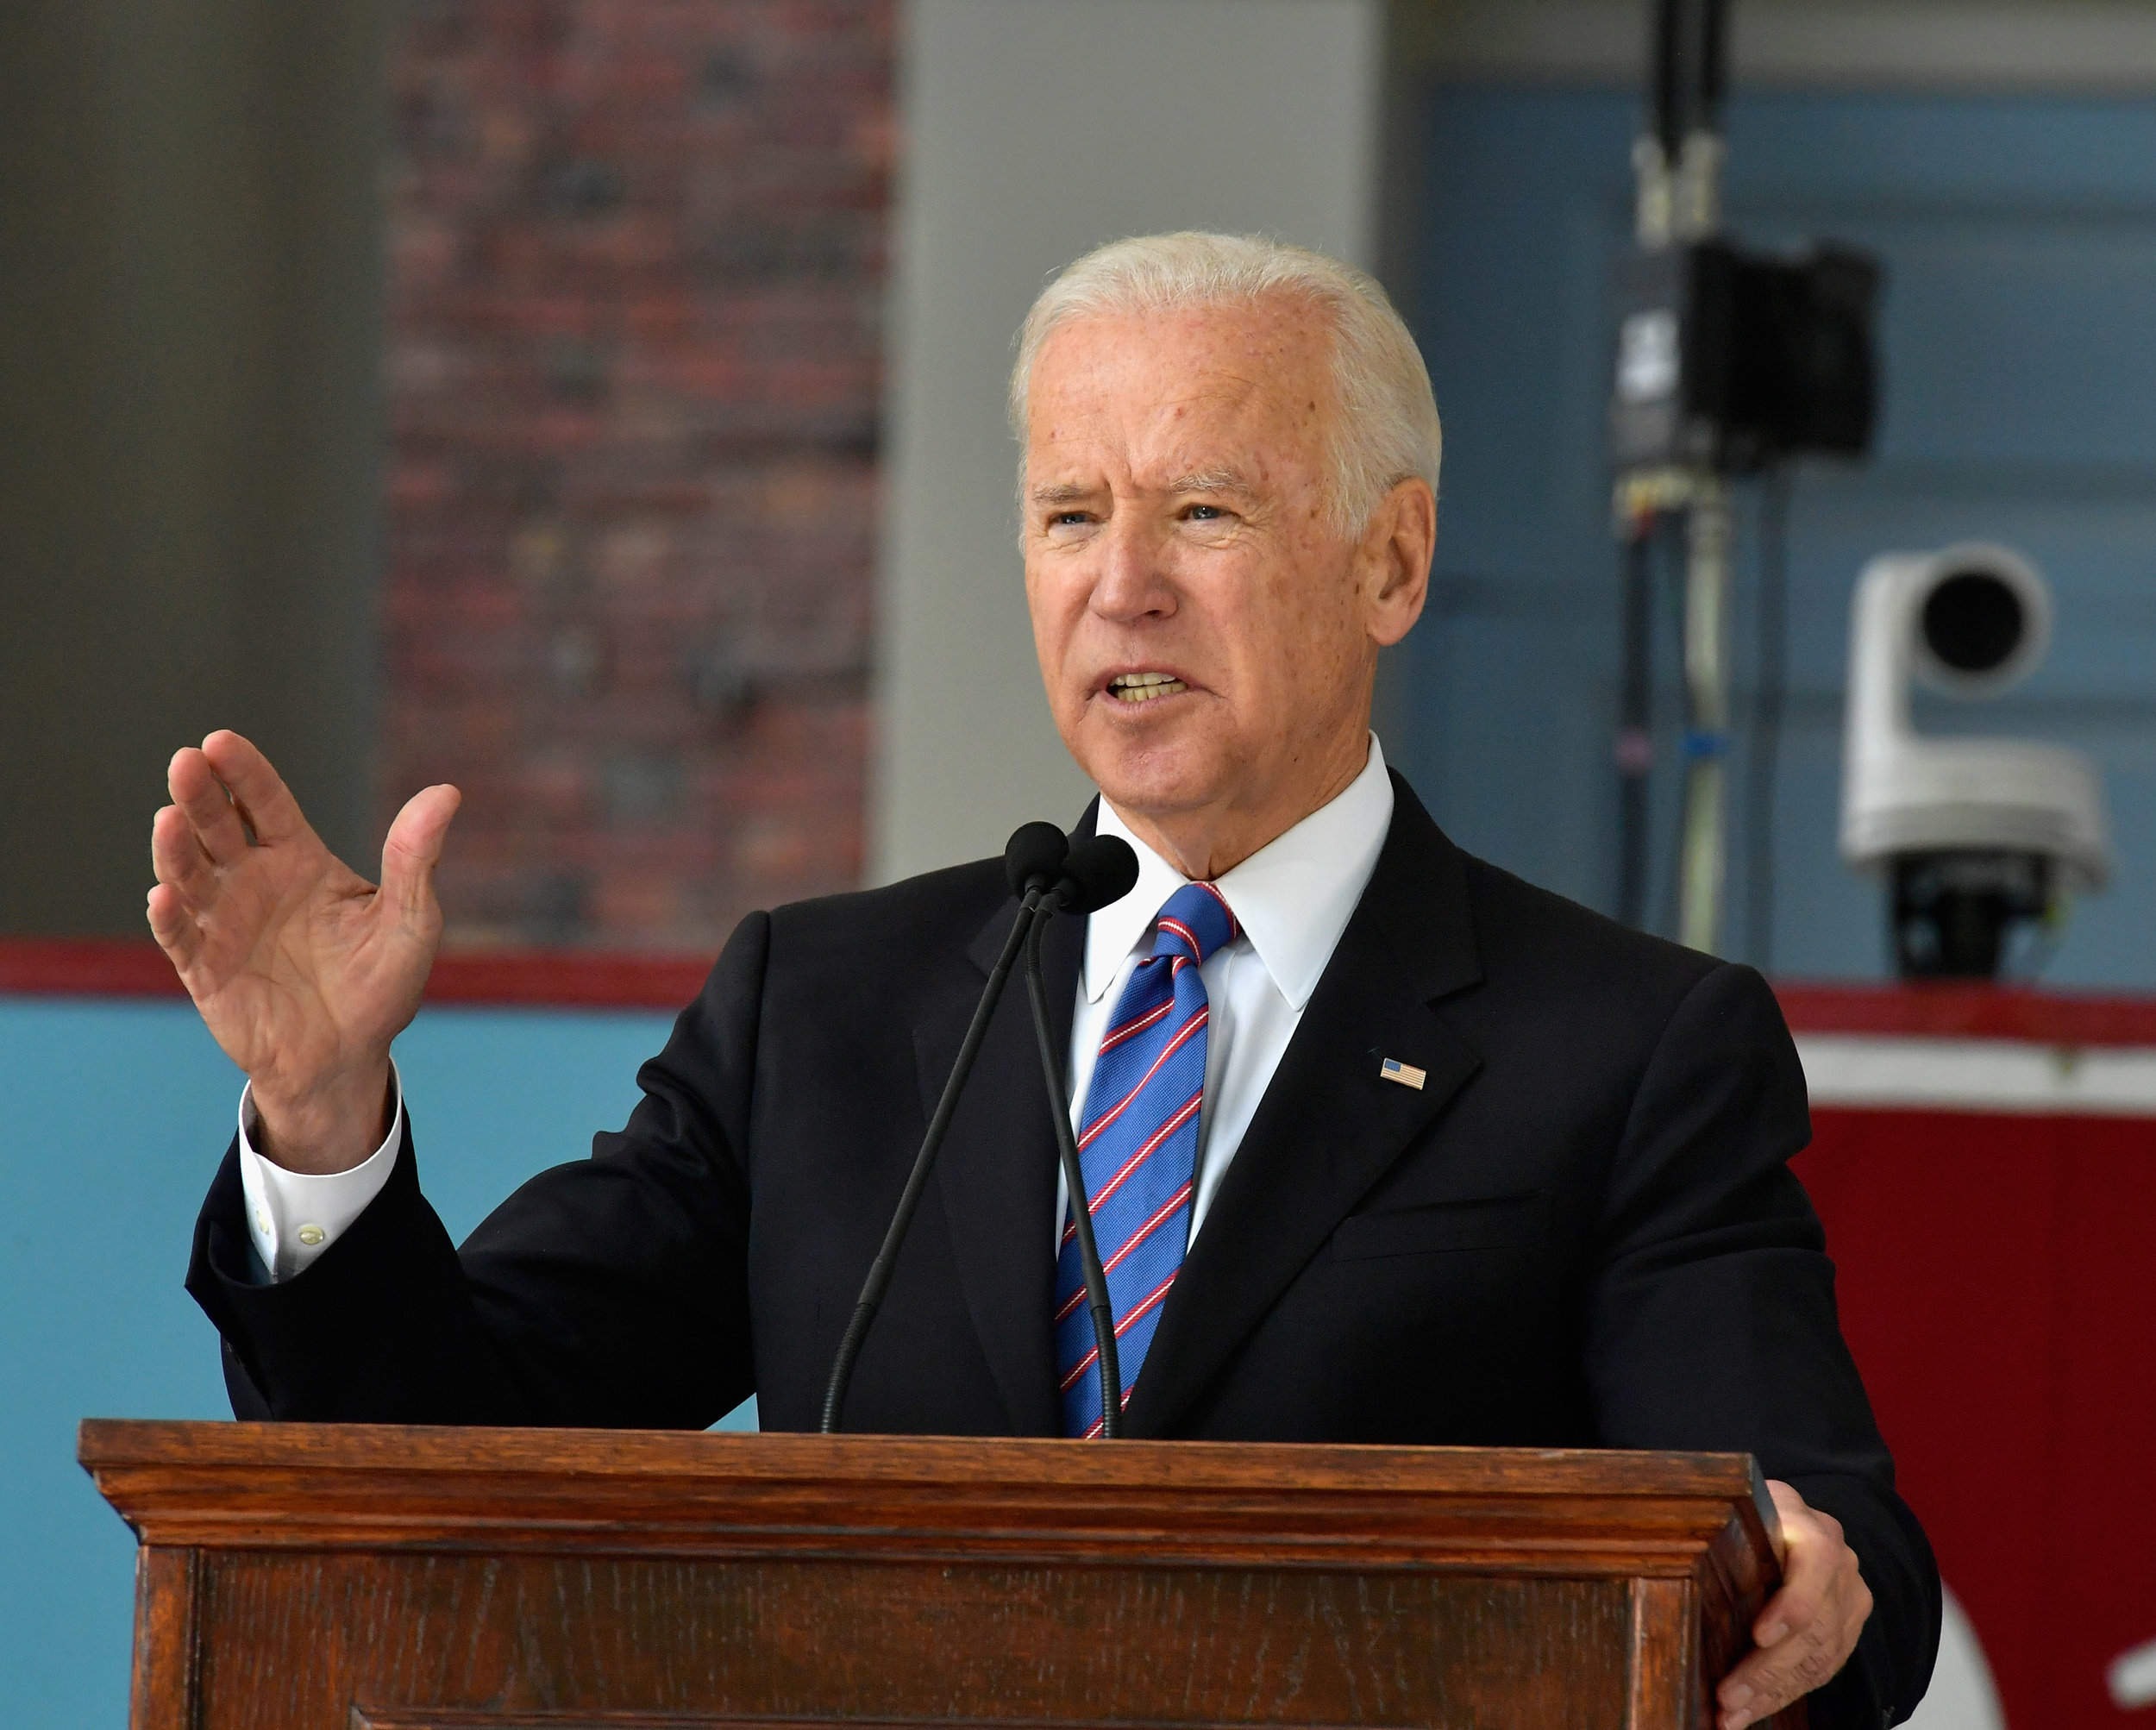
1971	834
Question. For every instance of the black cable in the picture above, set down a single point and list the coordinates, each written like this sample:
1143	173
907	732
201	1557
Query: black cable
1714	63
1074	1181
1769	694
1635	721
1688	71
1673	548
879	1280
1667	116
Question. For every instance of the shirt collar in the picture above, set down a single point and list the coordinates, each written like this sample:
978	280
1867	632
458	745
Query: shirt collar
1293	896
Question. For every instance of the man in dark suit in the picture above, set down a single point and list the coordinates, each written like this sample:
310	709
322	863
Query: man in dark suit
1382	1144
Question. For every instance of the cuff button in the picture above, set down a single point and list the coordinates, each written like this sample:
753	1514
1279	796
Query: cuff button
311	1235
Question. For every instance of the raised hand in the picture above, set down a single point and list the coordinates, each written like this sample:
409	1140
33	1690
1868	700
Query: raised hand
304	971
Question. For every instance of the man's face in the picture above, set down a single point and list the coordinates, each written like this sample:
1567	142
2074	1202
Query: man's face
1204	634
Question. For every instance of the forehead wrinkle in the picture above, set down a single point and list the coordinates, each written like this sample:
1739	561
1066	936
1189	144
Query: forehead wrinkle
1226	390
1167	435
1249	412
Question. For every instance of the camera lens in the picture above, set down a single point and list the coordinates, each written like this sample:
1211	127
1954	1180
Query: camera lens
1949	913
1973	621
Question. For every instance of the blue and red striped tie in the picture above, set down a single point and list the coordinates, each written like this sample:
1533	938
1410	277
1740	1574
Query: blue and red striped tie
1138	1144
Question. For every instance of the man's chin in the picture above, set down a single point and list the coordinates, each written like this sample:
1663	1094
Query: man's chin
1156	781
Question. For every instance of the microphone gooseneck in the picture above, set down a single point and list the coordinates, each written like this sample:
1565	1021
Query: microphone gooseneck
1096	872
1031	861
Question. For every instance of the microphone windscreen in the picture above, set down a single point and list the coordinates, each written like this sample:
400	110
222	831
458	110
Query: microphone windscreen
1033	856
1098	871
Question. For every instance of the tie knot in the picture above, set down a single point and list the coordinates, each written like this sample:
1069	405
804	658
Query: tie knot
1193	924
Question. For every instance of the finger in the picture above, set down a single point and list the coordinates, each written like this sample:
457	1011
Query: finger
1794	1517
1799	1646
195	790
413	848
1813	1560
1769	1679
260	791
174	928
1812	1556
1792	1610
177	857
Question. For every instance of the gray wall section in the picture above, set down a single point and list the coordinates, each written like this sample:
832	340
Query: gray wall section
1931	44
1035	129
189	422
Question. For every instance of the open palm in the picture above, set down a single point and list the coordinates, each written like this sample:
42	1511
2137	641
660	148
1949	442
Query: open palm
303	970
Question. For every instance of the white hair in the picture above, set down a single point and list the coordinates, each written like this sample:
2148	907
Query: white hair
1383	429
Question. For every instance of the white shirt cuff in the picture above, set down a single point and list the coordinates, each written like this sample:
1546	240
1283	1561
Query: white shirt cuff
293	1216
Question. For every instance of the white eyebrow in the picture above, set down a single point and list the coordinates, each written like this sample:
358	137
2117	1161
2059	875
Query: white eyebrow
1213	480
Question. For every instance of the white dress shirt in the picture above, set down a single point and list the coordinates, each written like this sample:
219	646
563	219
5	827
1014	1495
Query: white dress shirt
293	1216
1292	898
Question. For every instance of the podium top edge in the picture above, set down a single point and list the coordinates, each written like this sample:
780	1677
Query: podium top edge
127	1446
368	1486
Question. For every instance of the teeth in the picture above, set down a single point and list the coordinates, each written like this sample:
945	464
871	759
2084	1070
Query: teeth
1143	687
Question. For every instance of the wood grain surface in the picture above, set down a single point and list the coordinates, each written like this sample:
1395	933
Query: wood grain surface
358	1578
305	1485
168	1647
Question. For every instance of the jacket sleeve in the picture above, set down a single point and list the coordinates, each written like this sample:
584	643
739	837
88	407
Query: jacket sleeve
610	1292
1710	1321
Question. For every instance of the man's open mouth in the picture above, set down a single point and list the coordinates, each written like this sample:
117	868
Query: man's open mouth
1143	687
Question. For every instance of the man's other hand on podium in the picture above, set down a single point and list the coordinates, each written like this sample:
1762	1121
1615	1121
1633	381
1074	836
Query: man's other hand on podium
1808	1628
304	971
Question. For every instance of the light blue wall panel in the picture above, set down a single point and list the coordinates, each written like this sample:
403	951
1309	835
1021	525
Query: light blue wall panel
2019	336
116	1116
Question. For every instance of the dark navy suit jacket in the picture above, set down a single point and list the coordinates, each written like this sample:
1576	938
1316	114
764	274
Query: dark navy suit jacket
1582	1230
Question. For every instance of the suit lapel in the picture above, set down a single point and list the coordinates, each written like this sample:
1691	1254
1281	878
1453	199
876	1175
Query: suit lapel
996	1174
1329	1124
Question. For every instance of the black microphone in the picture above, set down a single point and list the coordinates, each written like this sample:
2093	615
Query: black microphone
1096	872
1034	862
1033	857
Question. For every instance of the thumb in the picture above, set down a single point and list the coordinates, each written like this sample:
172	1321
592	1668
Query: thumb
414	848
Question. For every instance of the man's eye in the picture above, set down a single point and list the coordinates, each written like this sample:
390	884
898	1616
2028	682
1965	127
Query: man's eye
1065	518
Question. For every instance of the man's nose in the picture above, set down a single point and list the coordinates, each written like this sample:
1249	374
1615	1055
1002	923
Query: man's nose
1132	584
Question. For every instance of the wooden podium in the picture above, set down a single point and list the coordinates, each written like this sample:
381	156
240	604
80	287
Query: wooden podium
354	1577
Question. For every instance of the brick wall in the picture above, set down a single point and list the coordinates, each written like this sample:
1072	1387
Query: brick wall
636	266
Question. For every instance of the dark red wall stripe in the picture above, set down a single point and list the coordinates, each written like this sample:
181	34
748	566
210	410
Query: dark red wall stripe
1969	1011
574	979
564	979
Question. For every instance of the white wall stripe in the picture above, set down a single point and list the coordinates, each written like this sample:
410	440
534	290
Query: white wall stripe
1978	1075
1994	45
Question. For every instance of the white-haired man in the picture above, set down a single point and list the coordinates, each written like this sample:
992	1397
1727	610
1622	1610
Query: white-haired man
1413	1153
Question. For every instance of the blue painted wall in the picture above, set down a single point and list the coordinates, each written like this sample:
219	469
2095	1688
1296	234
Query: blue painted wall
117	1114
2020	347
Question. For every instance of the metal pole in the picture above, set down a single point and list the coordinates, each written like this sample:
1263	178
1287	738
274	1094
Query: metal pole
1695	215
1707	608
1635	721
1677	164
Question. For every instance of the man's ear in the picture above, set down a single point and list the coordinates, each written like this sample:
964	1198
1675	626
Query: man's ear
1395	554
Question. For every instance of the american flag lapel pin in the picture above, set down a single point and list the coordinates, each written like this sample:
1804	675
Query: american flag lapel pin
1405	1074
